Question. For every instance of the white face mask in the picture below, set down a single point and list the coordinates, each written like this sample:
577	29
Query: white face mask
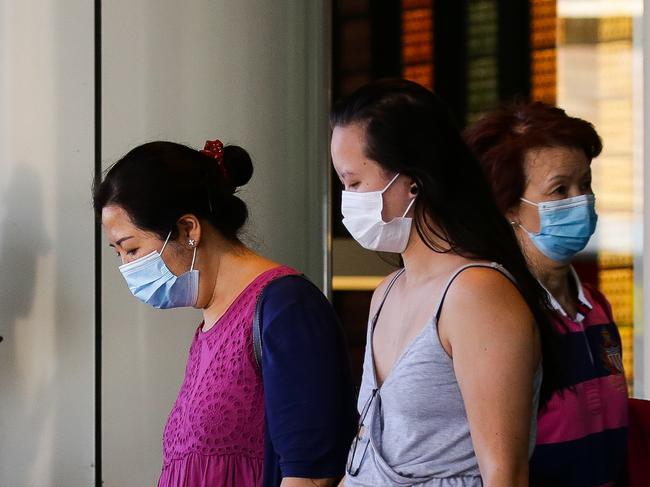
362	218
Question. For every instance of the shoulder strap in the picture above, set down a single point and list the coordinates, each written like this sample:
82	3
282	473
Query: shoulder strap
383	299
460	270
257	319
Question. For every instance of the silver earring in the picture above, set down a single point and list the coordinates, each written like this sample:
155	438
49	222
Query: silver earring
191	242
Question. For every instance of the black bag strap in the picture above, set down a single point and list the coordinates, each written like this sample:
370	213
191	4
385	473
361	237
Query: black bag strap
257	319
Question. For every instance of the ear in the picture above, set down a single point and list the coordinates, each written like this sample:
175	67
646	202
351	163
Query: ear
414	189
189	230
513	215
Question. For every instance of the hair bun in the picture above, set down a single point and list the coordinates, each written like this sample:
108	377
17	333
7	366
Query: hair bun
237	164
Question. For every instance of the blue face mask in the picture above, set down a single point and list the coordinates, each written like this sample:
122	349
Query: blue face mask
151	281
565	226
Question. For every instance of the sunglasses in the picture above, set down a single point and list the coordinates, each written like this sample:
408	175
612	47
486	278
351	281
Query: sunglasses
351	469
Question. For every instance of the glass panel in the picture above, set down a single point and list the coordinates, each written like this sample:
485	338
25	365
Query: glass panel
583	55
417	41
543	28
597	66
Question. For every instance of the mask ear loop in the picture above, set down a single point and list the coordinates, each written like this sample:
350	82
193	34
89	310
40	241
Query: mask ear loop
529	202
390	184
165	244
193	259
536	205
408	208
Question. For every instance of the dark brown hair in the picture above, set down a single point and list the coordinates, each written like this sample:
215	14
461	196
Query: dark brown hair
501	139
409	130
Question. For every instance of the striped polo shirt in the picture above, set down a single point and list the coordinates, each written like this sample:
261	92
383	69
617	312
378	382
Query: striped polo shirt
582	431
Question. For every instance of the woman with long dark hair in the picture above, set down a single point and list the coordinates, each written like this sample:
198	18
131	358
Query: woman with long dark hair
538	161
266	391
453	370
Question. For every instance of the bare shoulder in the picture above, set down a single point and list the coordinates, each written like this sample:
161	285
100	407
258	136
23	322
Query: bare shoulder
485	286
482	300
379	292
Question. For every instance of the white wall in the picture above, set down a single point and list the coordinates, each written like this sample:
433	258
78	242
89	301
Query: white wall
250	72
46	244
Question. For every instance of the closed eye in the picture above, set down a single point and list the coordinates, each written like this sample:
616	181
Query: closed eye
561	190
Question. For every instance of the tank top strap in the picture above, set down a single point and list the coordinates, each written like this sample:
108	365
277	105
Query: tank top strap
490	265
383	299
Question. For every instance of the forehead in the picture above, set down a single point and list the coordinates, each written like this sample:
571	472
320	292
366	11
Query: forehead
547	162
347	147
348	142
117	224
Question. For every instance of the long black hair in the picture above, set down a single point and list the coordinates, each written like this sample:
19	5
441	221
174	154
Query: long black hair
408	130
158	182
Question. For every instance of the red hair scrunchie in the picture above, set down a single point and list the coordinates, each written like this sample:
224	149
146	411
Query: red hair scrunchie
213	149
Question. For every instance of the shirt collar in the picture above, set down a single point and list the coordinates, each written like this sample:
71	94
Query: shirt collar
584	303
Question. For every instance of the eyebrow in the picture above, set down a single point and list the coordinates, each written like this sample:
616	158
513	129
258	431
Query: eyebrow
557	177
566	176
347	173
120	241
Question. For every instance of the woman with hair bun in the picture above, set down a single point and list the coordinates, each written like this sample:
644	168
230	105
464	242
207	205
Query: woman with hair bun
254	409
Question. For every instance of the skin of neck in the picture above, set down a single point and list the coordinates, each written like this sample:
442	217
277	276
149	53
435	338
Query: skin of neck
422	263
553	275
226	268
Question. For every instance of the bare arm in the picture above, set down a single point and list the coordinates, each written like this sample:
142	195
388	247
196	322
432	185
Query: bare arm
298	482
490	333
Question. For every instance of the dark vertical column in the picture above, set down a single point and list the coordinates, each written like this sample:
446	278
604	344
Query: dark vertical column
366	45
336	50
98	251
450	55
514	52
386	38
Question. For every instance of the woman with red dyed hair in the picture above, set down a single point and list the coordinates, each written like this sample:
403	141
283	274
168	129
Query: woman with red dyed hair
538	161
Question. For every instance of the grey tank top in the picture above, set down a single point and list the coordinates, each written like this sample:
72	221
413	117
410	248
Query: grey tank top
414	429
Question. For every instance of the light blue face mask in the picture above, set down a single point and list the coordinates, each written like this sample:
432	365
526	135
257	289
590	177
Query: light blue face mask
565	226
151	281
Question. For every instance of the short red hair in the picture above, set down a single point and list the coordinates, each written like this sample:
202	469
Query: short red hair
501	139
